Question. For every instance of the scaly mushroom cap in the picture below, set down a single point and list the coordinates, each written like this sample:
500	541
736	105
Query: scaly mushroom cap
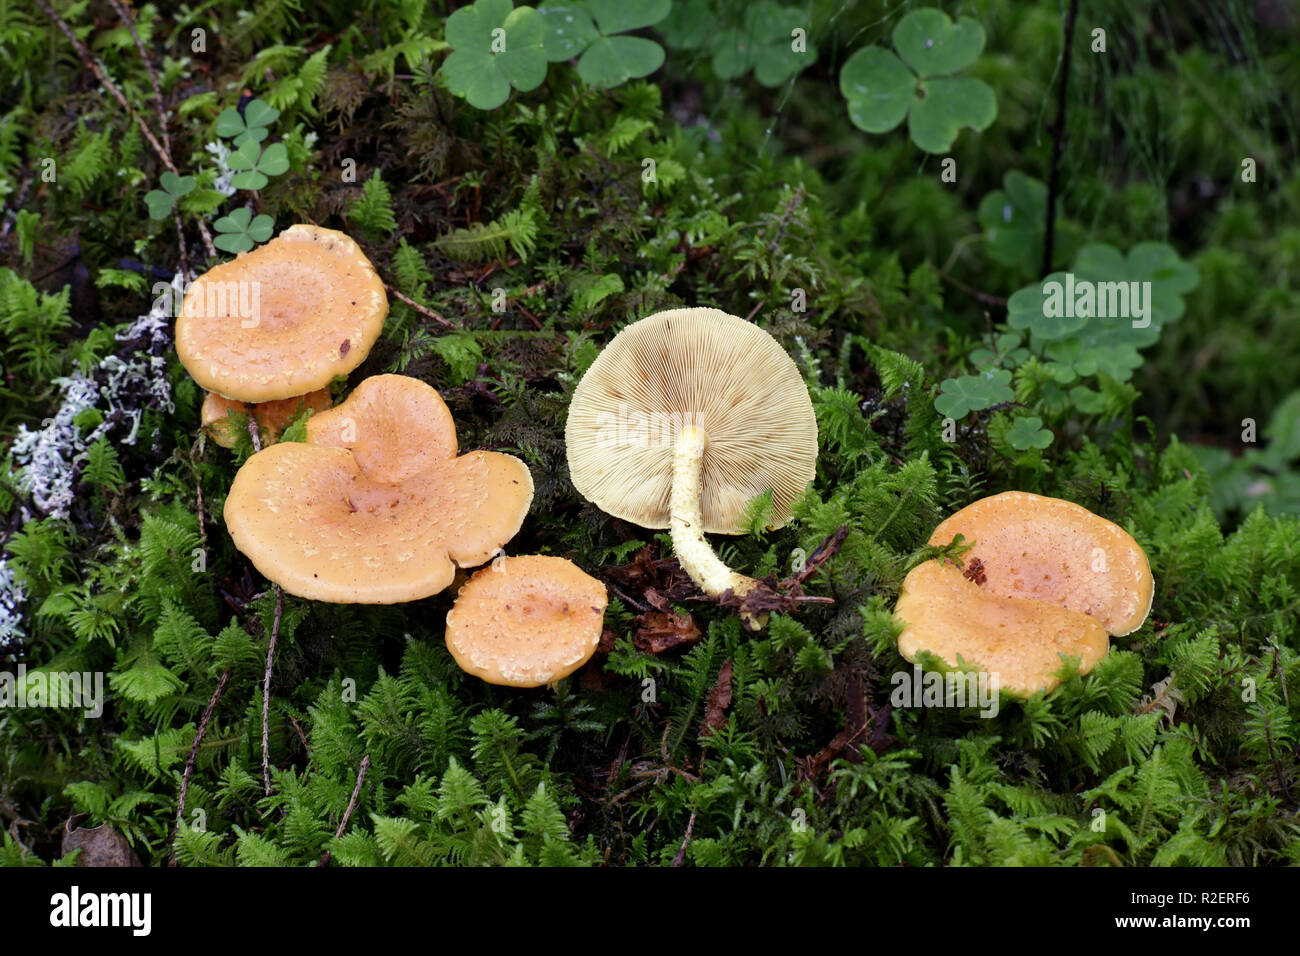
375	507
691	367
526	621
272	417
1020	641
1056	551
284	319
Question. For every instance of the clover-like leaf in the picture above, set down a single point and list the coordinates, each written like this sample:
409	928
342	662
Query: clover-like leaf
251	125
943	106
1006	351
881	88
569	30
495	46
592	28
967	393
255	165
161	202
765	43
1097	317
689	25
1042	308
1028	432
1014	220
239	231
932	45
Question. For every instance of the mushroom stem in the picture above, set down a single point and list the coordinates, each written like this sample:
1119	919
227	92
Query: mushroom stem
686	525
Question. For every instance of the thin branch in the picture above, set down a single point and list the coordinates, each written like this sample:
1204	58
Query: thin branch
352	805
89	61
680	858
1058	138
427	313
189	761
266	691
993	300
153	76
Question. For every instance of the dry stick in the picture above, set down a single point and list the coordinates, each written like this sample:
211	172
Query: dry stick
153	77
352	805
189	761
91	64
427	313
680	858
1058	138
266	691
979	296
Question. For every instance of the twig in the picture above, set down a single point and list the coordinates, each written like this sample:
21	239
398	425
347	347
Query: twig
189	761
1058	138
680	858
352	805
427	313
984	297
824	552
153	76
92	64
266	691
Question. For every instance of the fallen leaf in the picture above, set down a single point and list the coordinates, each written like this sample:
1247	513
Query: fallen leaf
719	699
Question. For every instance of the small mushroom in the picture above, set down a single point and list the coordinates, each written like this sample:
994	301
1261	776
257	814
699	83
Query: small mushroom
284	319
526	621
272	417
1056	551
375	507
683	419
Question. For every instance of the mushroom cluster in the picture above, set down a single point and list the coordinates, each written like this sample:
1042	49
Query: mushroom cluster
376	506
1045	579
684	418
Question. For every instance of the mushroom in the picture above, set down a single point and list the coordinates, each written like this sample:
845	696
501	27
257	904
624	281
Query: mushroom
1057	551
284	319
1043	578
272	417
375	507
1018	641
683	419
526	621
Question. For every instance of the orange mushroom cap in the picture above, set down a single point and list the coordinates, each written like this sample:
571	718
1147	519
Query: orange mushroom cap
375	507
526	621
284	319
272	417
1056	551
1019	641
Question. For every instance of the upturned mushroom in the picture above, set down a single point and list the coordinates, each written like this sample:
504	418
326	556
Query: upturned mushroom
684	418
375	507
272	417
283	320
1057	551
1043	579
526	621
